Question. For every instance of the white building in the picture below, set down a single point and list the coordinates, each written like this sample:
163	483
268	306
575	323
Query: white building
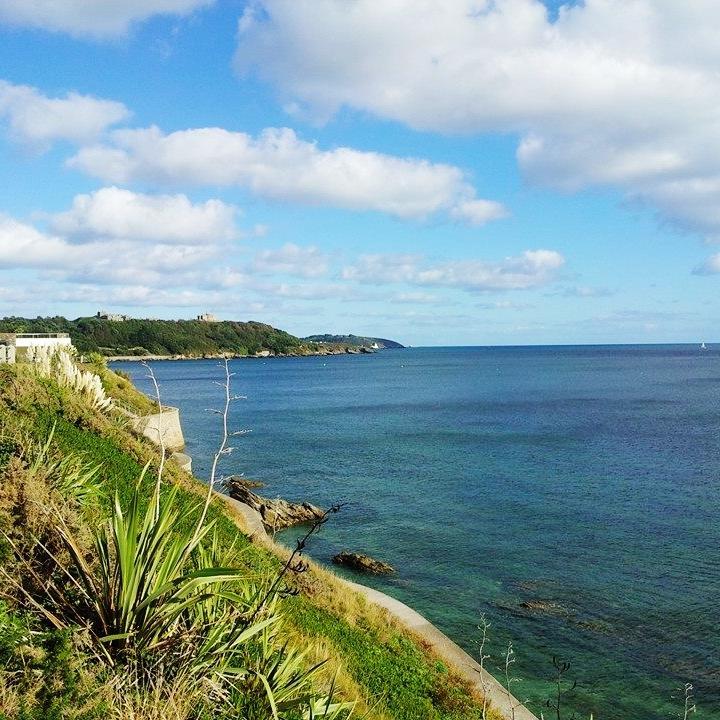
26	340
16	345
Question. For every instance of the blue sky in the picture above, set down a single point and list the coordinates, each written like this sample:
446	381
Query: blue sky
462	172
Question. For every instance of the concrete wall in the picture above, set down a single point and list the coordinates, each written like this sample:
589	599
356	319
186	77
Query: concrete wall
7	353
183	460
25	342
165	426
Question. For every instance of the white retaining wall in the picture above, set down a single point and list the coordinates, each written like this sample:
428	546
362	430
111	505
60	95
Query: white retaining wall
164	426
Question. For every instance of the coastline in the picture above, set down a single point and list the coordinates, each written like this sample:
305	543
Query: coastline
250	522
529	602
233	356
229	356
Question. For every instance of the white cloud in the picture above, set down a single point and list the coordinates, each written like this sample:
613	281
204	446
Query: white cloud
96	18
87	258
116	262
114	213
22	245
412	298
479	212
711	266
584	291
384	268
613	92
153	268
144	296
38	120
259	230
320	291
292	259
532	268
504	305
277	164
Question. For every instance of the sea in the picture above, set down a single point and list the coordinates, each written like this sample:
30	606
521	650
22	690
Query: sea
568	495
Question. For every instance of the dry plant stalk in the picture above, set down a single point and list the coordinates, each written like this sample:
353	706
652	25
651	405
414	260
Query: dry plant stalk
224	448
161	436
484	627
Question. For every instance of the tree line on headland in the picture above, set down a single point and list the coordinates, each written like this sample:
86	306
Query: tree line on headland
190	338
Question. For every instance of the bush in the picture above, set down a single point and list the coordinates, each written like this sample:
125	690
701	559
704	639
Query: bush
43	675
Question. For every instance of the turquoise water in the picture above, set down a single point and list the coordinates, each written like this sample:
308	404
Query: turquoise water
586	478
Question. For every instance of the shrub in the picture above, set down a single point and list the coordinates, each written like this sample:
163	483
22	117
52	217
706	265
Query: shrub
155	603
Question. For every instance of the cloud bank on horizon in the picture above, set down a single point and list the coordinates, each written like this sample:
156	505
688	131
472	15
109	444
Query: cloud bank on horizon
378	169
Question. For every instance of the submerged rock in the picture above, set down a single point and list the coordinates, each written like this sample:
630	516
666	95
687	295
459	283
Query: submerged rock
548	607
276	513
540	605
362	563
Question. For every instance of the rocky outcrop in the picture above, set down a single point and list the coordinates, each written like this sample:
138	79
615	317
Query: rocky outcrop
276	513
543	606
362	563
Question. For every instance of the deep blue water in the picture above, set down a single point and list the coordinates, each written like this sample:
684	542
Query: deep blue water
584	477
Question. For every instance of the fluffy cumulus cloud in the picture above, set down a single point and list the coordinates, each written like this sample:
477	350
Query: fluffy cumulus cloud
97	18
137	249
278	164
117	237
532	268
610	92
133	249
23	246
114	213
37	120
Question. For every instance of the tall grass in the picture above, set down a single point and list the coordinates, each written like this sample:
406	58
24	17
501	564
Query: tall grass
158	603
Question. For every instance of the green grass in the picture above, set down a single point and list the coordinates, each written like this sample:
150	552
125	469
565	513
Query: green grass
393	670
395	676
48	672
119	473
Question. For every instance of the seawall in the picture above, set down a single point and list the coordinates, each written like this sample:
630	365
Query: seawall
162	428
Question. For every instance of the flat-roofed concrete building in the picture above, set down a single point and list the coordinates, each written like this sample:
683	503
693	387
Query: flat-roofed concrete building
24	340
14	346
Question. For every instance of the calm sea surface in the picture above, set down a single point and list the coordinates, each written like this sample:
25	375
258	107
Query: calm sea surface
583	481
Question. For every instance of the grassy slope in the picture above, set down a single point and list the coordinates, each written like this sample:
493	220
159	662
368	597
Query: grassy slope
379	662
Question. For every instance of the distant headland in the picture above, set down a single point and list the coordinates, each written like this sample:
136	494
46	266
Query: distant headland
355	341
123	337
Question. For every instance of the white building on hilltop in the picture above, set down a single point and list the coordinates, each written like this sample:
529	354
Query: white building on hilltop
113	317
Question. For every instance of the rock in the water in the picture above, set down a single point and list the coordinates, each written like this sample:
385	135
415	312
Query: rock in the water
543	606
277	513
362	563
